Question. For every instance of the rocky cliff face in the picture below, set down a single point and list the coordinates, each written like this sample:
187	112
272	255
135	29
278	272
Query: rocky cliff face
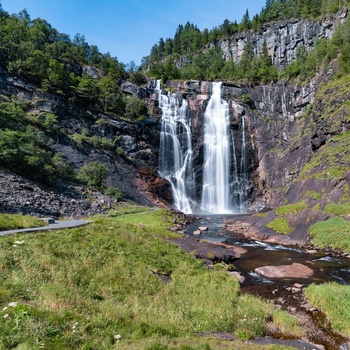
272	113
129	149
283	38
296	140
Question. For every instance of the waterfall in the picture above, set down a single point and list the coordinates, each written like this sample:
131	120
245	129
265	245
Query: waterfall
240	179
244	184
216	196
175	155
226	185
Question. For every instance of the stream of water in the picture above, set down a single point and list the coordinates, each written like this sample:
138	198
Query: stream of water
326	268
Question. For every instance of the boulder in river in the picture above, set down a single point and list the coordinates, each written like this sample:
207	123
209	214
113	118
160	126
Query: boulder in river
295	270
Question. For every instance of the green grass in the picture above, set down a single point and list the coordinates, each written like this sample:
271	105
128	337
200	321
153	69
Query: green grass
293	209
287	324
338	209
331	160
334	233
199	343
280	225
15	221
122	209
261	215
334	300
79	288
313	195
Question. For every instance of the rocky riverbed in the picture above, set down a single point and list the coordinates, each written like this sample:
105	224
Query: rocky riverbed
273	271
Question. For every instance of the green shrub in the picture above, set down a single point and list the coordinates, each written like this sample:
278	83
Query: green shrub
293	209
114	192
280	225
135	108
93	174
338	209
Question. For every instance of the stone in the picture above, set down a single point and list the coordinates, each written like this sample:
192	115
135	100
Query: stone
197	232
206	250
237	274
295	270
308	307
203	228
238	250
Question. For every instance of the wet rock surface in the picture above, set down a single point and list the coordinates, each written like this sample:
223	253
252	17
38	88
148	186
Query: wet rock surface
295	344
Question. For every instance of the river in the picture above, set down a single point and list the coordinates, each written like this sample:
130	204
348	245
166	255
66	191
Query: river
284	292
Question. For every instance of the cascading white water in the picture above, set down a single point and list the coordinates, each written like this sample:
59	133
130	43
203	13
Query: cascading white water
240	180
225	170
175	156
217	156
244	183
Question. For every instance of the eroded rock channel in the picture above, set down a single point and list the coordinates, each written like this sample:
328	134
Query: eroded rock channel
275	272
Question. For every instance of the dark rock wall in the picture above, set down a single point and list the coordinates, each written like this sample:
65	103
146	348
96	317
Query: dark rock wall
135	144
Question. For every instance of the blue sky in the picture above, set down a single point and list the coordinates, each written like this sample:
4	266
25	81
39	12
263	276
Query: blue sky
129	28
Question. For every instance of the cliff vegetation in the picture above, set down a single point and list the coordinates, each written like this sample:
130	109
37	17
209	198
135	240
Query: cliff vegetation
62	107
195	54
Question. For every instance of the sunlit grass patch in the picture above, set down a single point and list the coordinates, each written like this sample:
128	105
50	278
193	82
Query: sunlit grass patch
334	233
338	209
16	221
294	208
331	161
334	300
287	324
280	225
123	209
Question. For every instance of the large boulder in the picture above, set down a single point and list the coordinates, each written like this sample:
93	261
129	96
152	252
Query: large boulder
295	270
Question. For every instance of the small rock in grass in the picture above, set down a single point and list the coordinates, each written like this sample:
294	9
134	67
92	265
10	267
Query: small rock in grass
13	304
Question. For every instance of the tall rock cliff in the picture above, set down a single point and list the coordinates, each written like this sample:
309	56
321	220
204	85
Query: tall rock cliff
297	139
283	39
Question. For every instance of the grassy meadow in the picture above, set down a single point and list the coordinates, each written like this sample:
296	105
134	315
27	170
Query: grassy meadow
14	222
334	300
119	284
